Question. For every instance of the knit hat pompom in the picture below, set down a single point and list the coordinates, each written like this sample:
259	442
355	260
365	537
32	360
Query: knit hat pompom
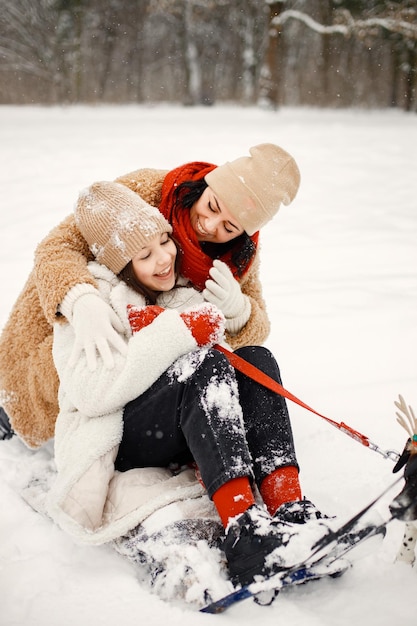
116	223
252	188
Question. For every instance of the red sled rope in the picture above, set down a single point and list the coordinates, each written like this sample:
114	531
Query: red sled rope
263	379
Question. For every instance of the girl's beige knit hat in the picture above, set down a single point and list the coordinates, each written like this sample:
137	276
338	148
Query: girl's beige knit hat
252	188
116	223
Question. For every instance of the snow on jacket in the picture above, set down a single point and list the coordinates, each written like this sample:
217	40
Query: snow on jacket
28	379
89	498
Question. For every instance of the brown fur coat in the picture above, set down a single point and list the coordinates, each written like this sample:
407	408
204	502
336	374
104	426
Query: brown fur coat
28	379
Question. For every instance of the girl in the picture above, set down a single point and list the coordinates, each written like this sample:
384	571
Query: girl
215	212
172	399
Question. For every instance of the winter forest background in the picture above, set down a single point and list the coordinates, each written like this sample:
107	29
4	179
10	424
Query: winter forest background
333	53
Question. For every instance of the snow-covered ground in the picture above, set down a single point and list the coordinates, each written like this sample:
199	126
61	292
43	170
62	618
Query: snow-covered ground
339	268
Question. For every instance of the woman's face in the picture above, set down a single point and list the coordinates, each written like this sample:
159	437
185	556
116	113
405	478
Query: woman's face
154	265
211	221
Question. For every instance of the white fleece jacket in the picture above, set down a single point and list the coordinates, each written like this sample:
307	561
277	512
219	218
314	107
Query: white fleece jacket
89	499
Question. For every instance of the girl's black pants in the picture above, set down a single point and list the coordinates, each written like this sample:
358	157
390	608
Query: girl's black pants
204	410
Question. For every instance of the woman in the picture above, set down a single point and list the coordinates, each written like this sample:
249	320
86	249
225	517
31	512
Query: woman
215	212
172	399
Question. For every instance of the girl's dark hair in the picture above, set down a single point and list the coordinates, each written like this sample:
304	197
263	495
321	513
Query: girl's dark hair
128	276
242	247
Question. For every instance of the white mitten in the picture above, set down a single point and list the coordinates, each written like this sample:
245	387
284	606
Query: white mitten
96	328
223	290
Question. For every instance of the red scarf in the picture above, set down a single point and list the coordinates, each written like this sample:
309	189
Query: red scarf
195	263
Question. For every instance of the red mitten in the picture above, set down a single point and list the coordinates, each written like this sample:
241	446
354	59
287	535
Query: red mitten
206	324
139	317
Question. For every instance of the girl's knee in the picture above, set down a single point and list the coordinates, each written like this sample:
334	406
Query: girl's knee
260	357
255	353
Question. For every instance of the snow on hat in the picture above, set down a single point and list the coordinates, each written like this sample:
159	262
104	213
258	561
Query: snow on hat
252	188
117	223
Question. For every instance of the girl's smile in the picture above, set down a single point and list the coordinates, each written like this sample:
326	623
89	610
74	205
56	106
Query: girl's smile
154	265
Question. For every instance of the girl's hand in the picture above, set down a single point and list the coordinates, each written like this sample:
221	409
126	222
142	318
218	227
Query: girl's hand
139	317
206	324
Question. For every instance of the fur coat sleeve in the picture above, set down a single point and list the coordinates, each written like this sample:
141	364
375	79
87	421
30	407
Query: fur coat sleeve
28	379
61	258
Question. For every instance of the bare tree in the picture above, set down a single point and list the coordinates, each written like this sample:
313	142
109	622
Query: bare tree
28	42
270	78
274	52
393	22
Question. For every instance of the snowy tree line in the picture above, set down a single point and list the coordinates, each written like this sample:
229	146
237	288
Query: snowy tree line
284	52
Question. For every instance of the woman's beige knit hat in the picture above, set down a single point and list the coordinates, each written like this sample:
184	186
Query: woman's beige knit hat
116	223
252	188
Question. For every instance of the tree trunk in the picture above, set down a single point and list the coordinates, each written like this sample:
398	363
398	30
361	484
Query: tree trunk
410	80
270	77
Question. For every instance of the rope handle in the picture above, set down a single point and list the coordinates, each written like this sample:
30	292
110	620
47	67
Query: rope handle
263	379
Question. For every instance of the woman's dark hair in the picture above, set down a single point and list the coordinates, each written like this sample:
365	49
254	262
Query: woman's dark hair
189	192
128	276
242	247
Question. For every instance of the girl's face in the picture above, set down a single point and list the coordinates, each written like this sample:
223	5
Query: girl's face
211	221
154	265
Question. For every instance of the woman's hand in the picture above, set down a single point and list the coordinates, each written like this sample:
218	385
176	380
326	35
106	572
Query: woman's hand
223	290
97	329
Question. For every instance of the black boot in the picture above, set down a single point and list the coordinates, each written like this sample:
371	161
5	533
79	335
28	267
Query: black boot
299	512
249	543
318	525
6	431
